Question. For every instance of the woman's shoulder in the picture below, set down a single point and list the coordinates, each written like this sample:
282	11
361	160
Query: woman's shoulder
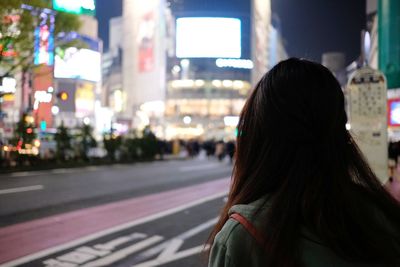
234	244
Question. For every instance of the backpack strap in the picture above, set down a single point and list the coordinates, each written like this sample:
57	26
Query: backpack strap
253	231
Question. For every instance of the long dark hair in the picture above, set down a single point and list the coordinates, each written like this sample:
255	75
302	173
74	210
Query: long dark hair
293	146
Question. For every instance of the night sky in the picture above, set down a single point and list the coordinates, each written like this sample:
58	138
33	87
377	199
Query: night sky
309	27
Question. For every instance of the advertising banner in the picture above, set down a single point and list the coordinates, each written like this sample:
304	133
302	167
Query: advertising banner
145	52
74	63
84	100
204	37
146	42
368	118
43	94
44	45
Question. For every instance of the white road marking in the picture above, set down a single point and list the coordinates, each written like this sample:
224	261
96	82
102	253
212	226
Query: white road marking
198	167
123	253
62	171
172	248
119	241
52	250
52	171
86	254
177	256
183	236
24	174
20	174
21	189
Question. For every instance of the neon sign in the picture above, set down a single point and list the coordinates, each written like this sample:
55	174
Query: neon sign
80	7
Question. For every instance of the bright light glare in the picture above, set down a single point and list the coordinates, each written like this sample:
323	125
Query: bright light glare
36	143
187	120
55	110
199	83
234	63
227	83
9	85
208	37
238	84
43	96
217	83
176	69
183	83
149	107
86	121
185	63
231	120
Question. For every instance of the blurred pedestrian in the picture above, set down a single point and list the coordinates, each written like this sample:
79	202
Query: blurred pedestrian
161	144
393	183
230	150
220	150
302	193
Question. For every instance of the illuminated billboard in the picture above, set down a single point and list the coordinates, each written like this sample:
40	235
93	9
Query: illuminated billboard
84	100
84	7
74	63
44	45
202	37
146	42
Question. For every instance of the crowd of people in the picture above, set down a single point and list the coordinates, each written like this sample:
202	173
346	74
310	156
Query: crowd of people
193	148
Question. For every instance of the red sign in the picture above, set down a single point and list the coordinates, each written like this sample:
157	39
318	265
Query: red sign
146	42
43	97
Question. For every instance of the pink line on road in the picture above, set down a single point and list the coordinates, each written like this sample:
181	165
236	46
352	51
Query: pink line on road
29	237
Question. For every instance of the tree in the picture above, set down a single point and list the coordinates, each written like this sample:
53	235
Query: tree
63	140
86	140
148	144
16	32
24	136
24	132
112	143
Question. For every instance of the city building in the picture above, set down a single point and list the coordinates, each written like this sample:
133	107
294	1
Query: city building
78	77
64	83
186	71
207	86
113	96
144	61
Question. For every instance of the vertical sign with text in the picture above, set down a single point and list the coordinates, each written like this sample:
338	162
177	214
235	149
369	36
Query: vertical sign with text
368	117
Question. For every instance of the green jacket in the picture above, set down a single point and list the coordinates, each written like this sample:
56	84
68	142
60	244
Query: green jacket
234	246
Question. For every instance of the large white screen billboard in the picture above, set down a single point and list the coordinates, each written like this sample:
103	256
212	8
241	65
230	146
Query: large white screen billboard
76	63
201	37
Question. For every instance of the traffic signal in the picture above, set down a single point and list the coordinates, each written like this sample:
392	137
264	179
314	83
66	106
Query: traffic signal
63	96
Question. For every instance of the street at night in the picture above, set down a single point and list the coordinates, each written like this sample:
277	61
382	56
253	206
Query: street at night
194	133
149	205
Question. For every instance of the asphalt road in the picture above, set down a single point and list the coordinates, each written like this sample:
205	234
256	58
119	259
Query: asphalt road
175	238
179	234
44	193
